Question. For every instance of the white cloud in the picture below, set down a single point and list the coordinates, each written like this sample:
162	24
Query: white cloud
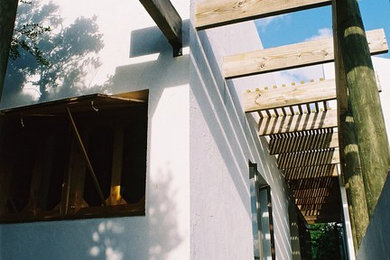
321	34
263	23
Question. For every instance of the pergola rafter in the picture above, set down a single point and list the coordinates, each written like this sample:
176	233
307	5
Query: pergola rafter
210	14
292	56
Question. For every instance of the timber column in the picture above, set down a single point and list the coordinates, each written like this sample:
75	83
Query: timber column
7	21
363	100
350	163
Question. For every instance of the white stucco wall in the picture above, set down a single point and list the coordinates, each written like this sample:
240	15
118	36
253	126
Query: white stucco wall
222	141
199	144
138	57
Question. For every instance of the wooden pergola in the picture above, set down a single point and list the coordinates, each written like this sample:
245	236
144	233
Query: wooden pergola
300	125
309	137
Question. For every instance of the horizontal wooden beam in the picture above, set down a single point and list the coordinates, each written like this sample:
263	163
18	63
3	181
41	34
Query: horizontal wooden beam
292	56
210	14
310	158
289	95
296	94
303	143
168	20
294	123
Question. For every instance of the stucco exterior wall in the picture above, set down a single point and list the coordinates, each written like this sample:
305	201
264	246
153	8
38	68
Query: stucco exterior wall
199	144
375	244
222	141
136	56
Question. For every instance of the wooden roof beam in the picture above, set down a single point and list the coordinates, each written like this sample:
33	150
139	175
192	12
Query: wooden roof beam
210	14
168	20
295	123
292	56
296	94
289	96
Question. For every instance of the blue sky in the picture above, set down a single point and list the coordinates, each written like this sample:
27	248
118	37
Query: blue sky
309	24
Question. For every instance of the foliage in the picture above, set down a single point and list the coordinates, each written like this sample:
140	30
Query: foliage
26	37
49	55
325	241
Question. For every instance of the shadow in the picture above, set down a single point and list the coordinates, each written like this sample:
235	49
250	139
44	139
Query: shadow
152	236
50	60
157	43
214	101
233	133
118	239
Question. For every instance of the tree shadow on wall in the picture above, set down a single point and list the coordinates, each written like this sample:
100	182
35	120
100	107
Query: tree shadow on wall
48	58
153	236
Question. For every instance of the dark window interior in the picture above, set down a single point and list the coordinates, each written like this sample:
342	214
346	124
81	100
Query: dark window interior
44	175
100	147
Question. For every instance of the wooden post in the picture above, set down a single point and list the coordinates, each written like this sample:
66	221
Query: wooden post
349	149
363	101
7	22
353	178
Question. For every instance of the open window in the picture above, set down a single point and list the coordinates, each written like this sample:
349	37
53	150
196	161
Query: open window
262	223
74	158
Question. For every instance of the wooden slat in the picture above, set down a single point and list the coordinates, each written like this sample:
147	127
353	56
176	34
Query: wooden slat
316	200
289	96
310	172
210	14
311	158
292	56
312	192
303	143
321	182
168	20
294	123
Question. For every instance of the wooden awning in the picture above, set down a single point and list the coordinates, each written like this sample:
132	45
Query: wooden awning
81	104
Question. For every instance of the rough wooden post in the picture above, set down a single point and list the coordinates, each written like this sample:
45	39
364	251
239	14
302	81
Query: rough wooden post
349	149
7	22
363	100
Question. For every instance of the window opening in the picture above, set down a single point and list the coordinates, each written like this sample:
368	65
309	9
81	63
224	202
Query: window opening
262	225
44	174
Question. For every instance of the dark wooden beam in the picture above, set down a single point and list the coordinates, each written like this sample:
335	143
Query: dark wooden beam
7	22
168	20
